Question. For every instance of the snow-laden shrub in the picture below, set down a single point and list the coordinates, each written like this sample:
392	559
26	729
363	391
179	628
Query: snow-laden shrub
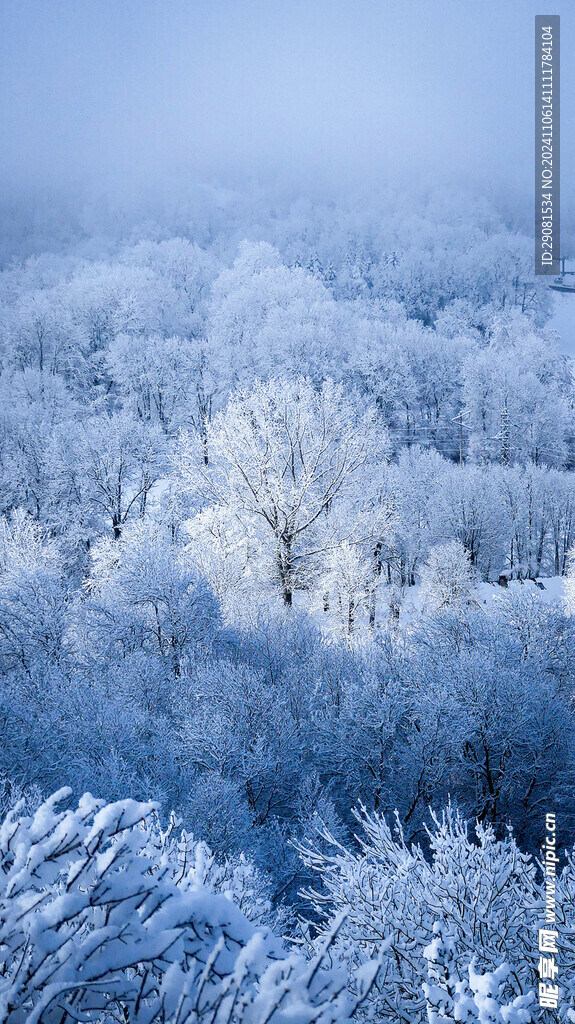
104	918
482	892
480	998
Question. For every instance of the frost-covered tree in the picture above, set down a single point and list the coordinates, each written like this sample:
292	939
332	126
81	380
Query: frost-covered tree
469	509
501	730
271	319
446	577
181	274
34	407
228	554
525	514
411	485
107	299
34	596
122	460
560	503
38	332
570	583
346	583
144	595
283	454
237	724
514	406
171	381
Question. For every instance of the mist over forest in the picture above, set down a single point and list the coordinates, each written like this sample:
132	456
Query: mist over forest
287	524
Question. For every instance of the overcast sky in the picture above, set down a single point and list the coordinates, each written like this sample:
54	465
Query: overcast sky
130	90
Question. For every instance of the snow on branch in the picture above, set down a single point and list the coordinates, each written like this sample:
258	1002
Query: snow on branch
98	922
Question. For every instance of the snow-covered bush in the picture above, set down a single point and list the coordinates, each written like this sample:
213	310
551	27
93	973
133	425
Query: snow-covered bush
483	894
102	921
479	998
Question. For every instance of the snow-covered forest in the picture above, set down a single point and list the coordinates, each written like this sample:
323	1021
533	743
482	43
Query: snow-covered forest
287	489
287	525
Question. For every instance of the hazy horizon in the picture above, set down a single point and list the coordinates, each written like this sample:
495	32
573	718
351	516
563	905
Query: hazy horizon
119	98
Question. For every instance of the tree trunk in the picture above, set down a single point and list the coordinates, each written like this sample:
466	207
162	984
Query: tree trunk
372	608
284	563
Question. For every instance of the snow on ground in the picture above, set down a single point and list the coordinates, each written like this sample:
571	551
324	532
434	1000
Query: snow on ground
545	589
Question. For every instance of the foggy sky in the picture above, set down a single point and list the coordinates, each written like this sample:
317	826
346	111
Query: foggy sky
125	91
